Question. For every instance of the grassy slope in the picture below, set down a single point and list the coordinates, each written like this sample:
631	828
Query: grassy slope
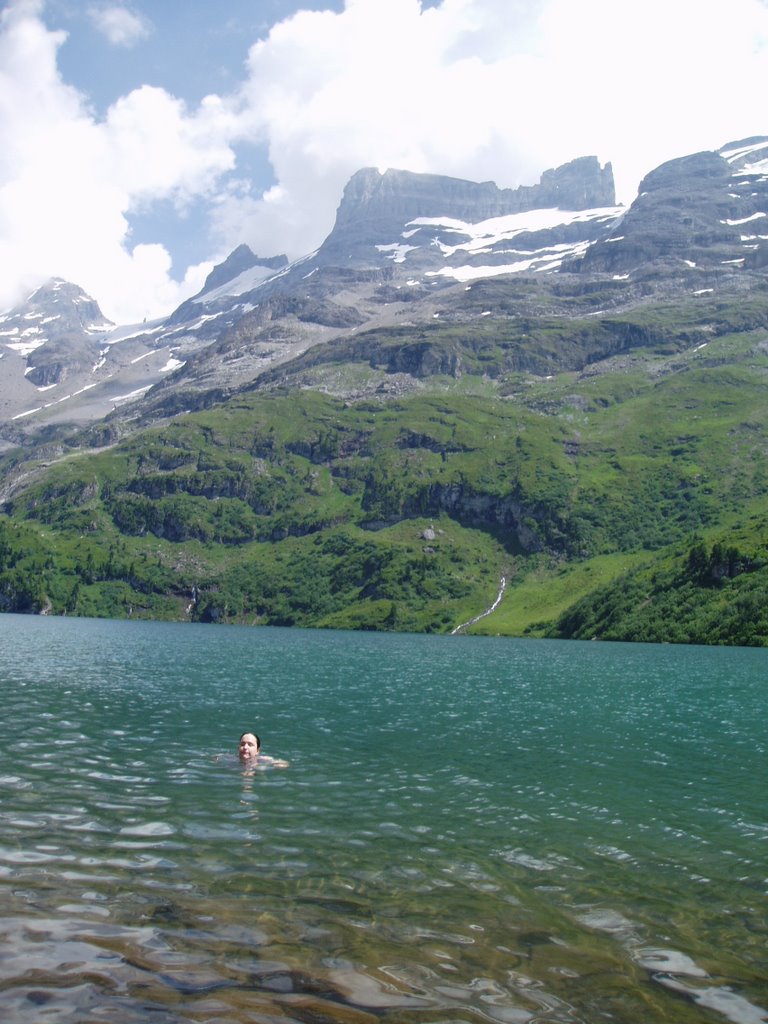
706	424
297	508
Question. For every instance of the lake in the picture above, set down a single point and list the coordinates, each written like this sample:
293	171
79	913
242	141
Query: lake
470	830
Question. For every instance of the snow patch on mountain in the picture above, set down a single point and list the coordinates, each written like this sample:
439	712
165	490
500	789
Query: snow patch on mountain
130	331
758	168
24	348
398	251
740	150
498	229
50	405
541	260
461	242
240	285
748	158
743	220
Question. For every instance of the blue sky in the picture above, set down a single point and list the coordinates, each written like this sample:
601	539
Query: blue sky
142	140
190	48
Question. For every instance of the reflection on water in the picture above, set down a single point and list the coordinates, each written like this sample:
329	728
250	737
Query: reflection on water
474	831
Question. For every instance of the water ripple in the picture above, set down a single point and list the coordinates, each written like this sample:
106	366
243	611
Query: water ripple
479	832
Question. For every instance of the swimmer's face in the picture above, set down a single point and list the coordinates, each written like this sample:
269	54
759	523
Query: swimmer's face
248	746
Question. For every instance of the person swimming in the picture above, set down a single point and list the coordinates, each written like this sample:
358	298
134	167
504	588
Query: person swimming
249	752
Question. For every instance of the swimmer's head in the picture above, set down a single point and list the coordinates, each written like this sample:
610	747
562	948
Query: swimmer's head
249	746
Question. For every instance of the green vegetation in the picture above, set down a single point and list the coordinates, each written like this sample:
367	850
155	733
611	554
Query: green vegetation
711	595
625	502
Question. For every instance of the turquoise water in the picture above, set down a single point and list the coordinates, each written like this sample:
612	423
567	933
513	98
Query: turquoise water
471	830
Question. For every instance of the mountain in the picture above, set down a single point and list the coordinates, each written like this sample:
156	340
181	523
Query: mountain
399	239
414	251
53	337
387	216
65	363
703	212
468	398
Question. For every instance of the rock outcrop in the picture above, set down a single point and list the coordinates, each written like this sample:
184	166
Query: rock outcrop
238	261
378	206
703	212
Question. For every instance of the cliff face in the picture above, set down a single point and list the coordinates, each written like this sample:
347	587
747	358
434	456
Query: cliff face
402	195
377	206
706	211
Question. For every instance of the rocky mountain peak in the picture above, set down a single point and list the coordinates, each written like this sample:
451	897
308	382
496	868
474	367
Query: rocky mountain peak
581	184
239	260
687	172
56	311
704	215
403	195
55	334
377	208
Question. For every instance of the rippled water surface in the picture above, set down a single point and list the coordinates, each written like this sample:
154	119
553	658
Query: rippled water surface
470	829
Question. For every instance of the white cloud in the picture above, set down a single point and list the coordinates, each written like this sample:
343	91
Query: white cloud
68	182
490	89
482	89
121	26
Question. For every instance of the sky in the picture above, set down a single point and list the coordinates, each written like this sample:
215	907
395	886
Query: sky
142	141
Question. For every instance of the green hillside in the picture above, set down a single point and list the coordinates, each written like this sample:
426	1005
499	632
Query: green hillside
627	501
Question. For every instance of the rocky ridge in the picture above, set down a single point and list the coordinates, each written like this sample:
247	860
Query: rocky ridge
409	254
703	212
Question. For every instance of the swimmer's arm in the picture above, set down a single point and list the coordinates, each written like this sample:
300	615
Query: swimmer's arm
275	762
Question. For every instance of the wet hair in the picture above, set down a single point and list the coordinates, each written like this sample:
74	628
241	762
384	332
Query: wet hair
255	736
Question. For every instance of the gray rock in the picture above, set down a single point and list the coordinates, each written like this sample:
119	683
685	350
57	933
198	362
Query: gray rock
692	211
